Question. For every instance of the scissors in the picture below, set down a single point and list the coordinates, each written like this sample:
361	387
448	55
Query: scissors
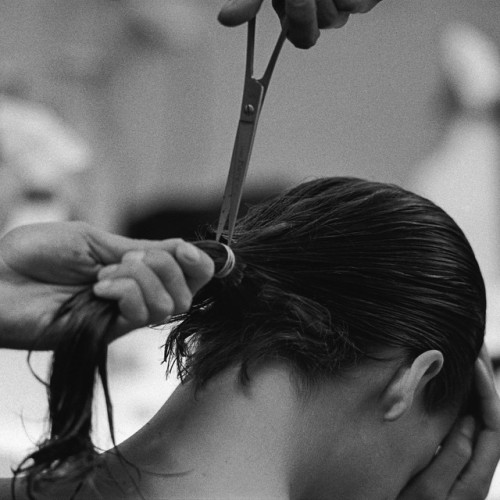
254	92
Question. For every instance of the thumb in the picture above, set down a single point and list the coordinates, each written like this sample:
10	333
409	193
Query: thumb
236	12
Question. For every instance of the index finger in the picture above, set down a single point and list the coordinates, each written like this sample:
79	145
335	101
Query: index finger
108	248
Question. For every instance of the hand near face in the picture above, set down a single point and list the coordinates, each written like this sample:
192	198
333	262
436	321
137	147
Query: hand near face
43	265
465	465
304	17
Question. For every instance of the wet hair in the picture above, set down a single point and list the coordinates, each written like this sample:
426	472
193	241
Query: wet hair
327	275
332	272
83	324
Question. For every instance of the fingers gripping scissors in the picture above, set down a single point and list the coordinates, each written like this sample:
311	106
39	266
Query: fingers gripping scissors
254	92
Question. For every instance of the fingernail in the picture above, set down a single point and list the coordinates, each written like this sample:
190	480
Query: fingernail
102	286
134	255
107	271
190	252
467	426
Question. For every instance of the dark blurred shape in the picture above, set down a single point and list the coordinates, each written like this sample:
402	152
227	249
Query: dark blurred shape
190	220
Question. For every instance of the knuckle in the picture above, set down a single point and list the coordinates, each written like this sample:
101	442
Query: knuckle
463	449
134	256
129	287
155	257
163	309
126	270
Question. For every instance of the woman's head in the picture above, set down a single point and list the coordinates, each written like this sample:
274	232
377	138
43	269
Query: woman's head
336	271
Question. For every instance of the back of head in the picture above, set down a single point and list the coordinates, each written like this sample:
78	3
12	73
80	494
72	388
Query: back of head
330	273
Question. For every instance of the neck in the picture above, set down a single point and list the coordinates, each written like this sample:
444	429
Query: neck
259	441
225	441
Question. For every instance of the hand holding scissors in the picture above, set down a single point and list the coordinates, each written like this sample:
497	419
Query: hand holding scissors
304	17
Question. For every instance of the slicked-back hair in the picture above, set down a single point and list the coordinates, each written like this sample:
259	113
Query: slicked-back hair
332	271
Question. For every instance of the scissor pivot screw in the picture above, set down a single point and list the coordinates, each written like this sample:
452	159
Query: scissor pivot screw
249	109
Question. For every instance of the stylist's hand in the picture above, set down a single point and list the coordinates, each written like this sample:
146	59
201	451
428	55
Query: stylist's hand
464	468
42	265
304	17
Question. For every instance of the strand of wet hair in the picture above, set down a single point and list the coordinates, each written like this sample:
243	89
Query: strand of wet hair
83	325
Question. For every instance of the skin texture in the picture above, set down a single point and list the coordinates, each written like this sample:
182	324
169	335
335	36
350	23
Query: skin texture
44	264
41	264
305	18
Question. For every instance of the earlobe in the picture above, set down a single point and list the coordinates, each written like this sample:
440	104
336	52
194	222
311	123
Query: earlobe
409	381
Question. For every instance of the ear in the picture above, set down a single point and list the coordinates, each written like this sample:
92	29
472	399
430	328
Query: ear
409	381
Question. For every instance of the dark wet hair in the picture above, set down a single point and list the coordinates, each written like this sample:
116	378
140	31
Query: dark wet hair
326	275
331	272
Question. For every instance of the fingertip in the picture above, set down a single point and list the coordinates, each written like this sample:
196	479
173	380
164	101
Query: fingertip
188	253
236	12
195	262
302	40
107	271
340	20
102	288
229	19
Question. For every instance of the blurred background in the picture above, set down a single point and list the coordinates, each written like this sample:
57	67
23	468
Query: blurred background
123	114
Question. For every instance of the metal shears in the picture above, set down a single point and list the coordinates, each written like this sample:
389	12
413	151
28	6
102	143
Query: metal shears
254	92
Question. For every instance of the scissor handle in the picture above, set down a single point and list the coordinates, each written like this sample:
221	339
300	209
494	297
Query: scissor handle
266	77
253	98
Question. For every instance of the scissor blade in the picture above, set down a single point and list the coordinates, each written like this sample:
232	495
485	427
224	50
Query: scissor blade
236	178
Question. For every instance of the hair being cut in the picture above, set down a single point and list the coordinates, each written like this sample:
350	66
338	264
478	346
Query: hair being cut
333	271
